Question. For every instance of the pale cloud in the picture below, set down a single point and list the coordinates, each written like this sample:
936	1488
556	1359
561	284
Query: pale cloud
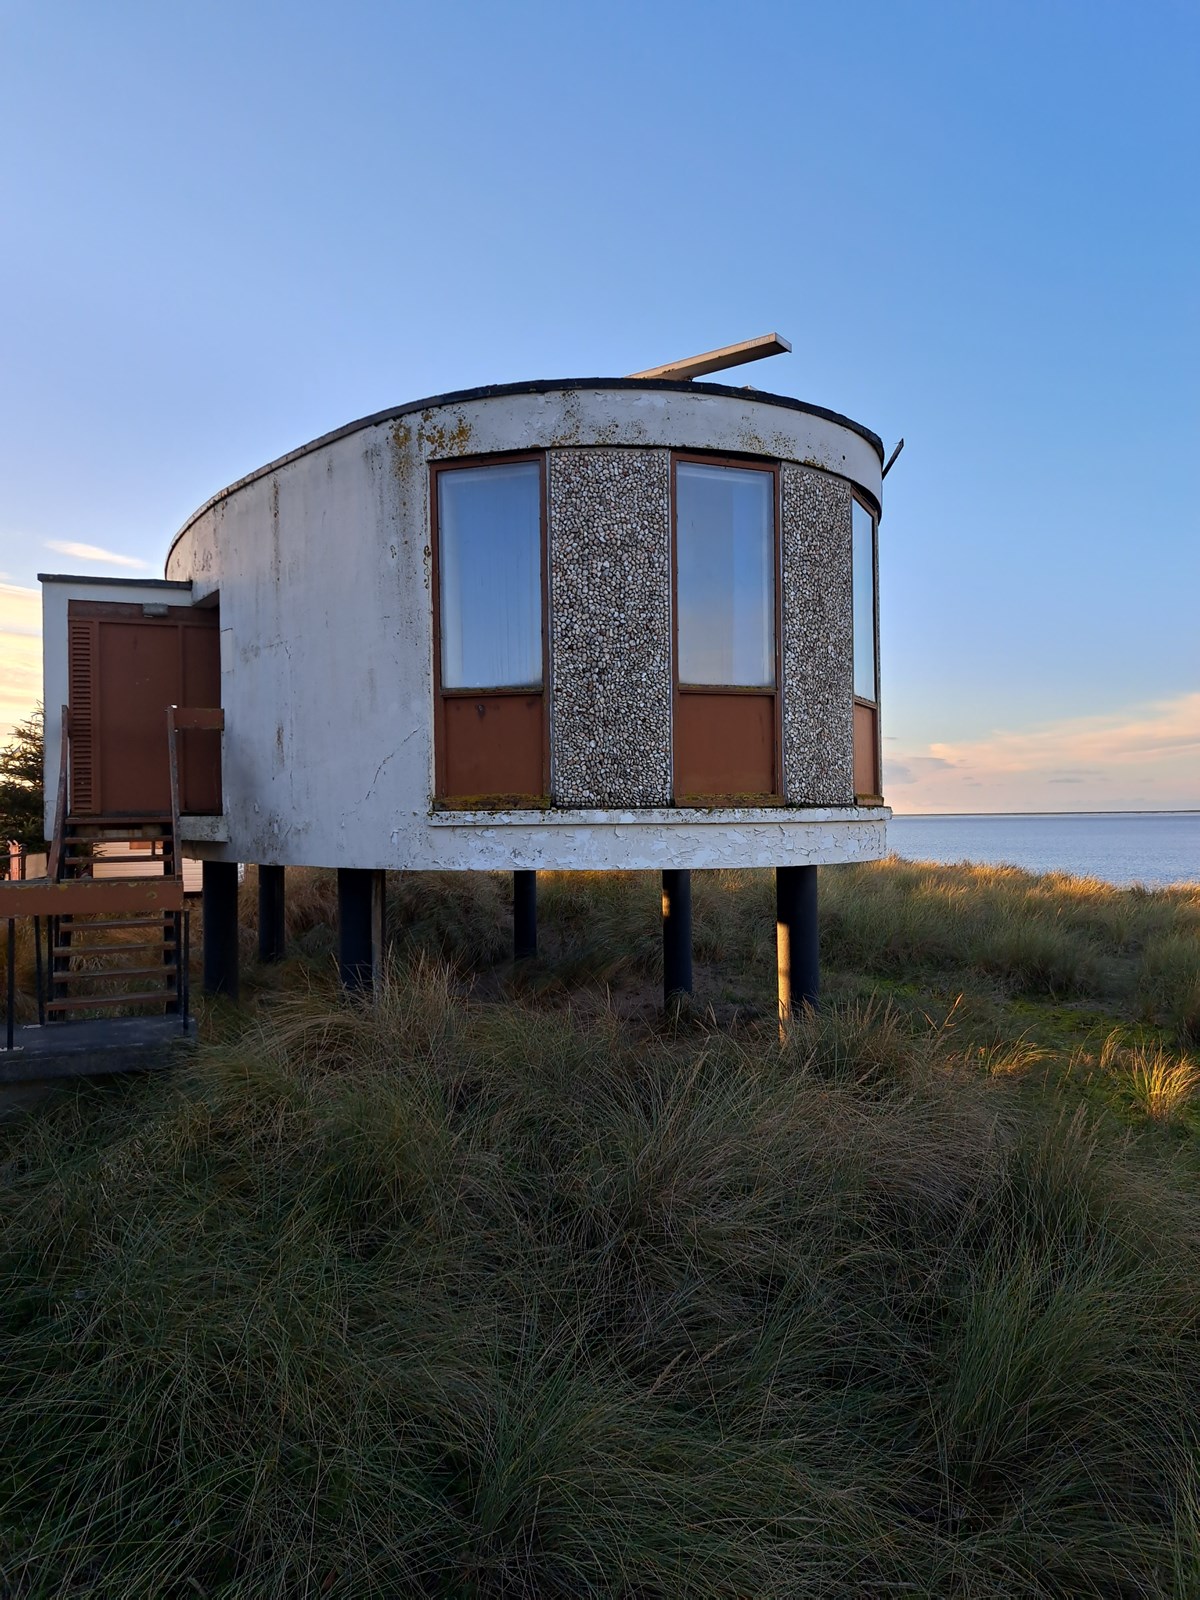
1137	757
20	654
93	552
913	768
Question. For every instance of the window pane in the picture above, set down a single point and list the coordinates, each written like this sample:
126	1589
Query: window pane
864	604
725	551
490	576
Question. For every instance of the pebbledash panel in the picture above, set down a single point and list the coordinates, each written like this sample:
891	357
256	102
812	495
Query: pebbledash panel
592	624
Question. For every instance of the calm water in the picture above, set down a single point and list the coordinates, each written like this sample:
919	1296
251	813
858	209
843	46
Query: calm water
1123	847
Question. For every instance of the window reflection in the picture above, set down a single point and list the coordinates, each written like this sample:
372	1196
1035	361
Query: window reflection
865	686
725	558
490	576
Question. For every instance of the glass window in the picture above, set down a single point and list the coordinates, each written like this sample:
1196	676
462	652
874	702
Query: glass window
865	686
490	576
725	569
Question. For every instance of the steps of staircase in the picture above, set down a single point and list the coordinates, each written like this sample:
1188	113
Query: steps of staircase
107	819
82	923
96	974
88	1002
124	947
85	861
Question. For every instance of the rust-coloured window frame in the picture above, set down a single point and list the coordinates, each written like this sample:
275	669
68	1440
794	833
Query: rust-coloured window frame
872	706
441	695
745	463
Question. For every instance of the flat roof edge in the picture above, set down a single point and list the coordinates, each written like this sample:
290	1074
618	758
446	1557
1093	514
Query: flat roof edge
531	386
116	583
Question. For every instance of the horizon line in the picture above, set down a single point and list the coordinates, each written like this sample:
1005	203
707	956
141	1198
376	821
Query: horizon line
1112	811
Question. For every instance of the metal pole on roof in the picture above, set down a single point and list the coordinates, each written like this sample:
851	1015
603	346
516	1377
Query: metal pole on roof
729	355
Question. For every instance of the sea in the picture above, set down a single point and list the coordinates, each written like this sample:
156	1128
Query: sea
1153	848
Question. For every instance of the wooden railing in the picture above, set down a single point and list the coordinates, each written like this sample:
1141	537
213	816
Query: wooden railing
58	896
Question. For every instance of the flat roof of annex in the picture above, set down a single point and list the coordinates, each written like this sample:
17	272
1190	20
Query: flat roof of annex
492	391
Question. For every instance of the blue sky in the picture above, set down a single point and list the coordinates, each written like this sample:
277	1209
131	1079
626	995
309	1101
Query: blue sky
231	227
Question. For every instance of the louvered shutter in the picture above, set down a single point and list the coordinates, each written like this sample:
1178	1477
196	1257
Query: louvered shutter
81	672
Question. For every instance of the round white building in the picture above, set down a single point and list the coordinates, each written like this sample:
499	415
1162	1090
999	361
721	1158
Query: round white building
587	624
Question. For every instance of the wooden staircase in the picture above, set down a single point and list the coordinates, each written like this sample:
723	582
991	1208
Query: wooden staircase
131	960
113	945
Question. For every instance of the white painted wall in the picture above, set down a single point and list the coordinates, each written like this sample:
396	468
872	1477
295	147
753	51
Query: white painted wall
323	567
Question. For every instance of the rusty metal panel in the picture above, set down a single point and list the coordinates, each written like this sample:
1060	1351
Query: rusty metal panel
866	751
200	748
492	749
725	748
210	719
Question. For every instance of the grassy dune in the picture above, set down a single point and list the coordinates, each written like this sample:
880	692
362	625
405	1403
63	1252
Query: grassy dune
511	1286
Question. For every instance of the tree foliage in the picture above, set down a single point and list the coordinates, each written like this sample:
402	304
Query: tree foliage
21	783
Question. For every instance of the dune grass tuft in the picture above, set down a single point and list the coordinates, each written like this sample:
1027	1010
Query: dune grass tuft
449	1298
1160	1084
510	1286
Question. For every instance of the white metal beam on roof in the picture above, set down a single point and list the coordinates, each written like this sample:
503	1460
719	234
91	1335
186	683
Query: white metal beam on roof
729	355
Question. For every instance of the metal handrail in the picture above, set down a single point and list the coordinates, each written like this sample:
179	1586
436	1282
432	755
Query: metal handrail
10	1014
54	865
173	760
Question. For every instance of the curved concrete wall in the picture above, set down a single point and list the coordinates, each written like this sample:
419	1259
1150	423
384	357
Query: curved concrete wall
322	563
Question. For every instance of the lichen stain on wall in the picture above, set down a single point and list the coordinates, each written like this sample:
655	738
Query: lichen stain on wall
439	440
434	438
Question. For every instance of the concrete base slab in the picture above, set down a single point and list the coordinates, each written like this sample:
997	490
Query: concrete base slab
92	1048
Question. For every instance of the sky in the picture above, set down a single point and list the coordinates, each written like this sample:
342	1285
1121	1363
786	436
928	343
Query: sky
227	228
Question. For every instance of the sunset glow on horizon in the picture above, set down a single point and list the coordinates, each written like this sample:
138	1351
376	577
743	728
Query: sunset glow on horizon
976	241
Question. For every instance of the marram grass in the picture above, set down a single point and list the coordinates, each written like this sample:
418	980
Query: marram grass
474	1295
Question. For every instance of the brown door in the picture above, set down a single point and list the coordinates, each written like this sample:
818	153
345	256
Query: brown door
125	669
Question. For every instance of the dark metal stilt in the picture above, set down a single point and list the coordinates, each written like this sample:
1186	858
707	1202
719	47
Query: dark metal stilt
677	933
525	929
220	900
10	1020
185	996
797	940
360	927
271	934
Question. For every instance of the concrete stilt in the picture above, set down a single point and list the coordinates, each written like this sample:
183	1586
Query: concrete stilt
219	880
677	933
797	940
271	935
360	928
525	927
